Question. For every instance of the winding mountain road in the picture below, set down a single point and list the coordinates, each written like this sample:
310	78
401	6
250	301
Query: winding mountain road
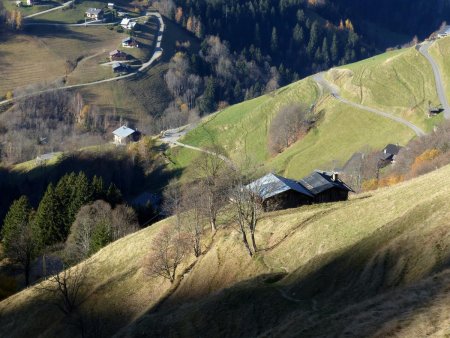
423	49
334	91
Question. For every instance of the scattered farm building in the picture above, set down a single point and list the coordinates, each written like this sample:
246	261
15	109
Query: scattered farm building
117	55
94	13
111	5
124	135
326	187
118	67
277	192
390	152
129	43
126	23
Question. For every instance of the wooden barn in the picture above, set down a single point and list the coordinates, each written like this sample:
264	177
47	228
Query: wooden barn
278	192
326	187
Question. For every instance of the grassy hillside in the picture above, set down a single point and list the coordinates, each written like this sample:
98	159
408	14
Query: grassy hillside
372	266
243	129
400	82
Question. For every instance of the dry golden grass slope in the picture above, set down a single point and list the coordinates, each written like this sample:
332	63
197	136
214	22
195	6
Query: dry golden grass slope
376	265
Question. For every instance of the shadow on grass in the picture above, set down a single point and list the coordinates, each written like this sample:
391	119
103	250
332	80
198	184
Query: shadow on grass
390	276
387	277
114	166
58	32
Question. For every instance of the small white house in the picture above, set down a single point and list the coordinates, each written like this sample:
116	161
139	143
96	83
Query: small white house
111	5
123	135
126	23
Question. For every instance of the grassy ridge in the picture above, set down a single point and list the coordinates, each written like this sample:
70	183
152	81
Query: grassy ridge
400	82
390	241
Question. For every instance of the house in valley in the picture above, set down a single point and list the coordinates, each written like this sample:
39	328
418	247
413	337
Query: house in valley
277	192
129	43
117	55
126	23
124	135
94	13
118	67
326	186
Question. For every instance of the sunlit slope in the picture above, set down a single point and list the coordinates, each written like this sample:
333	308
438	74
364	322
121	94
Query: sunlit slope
315	264
399	82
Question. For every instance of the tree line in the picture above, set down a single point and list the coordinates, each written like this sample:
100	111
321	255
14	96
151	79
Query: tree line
27	233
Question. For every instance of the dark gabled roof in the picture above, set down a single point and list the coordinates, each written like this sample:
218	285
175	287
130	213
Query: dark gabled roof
320	181
94	11
392	149
387	157
272	184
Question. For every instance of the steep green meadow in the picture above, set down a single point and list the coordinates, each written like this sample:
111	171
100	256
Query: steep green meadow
400	82
375	265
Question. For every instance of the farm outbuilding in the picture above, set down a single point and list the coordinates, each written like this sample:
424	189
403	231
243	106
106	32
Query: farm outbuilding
326	186
124	135
117	55
277	192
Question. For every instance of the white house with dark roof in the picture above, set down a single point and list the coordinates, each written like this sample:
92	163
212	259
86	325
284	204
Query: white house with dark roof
94	13
123	135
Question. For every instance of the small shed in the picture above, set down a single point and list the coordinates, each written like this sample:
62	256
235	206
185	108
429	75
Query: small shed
129	43
118	67
117	55
277	192
123	135
94	13
326	186
111	5
390	152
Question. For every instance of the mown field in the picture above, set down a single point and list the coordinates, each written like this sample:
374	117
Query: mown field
400	82
27	10
51	48
373	266
242	130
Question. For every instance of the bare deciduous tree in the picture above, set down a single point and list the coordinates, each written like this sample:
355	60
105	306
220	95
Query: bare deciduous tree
65	288
168	250
193	218
211	172
287	126
247	208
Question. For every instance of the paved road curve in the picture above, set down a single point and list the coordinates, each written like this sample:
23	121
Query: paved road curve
334	91
49	10
423	49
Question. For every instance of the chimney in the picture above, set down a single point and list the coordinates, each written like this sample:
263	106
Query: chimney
334	176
